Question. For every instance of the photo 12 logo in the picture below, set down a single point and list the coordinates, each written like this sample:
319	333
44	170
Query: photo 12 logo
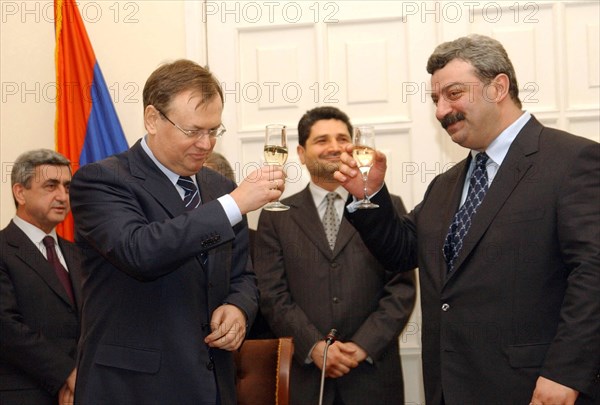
454	11
90	11
277	92
270	11
49	92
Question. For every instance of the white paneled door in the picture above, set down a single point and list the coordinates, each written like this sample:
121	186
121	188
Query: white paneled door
277	59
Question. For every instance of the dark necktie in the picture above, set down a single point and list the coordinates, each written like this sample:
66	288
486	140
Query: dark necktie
61	272
191	198
330	219
478	185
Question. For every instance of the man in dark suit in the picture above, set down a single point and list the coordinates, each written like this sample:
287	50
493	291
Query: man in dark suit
310	284
168	287
512	316
39	321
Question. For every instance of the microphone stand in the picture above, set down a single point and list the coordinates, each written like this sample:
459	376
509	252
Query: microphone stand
329	339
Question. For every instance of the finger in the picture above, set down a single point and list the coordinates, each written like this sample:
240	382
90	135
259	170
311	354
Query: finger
272	171
340	177
229	341
347	171
217	333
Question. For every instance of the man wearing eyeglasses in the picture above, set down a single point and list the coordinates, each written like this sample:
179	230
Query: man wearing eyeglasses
169	290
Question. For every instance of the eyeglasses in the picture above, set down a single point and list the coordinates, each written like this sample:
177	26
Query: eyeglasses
197	133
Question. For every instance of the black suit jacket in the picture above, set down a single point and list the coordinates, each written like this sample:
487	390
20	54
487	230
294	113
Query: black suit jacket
523	300
308	289
148	295
39	326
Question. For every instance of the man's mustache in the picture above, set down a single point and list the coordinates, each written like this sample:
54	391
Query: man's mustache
331	155
450	119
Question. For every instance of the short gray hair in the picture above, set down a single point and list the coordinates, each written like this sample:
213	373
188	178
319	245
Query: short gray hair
24	167
487	55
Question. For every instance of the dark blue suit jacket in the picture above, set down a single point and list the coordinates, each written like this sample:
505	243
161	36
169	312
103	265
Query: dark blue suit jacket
148	297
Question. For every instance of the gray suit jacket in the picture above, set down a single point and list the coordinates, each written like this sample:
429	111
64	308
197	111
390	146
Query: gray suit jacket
523	300
39	326
306	290
148	296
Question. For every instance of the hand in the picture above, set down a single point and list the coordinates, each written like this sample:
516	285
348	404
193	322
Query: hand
259	187
340	358
66	394
349	176
548	392
359	353
228	325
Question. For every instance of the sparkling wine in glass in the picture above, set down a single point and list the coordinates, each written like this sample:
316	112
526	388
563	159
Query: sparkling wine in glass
364	154
275	153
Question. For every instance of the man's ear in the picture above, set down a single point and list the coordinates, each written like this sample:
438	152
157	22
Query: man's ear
151	116
300	150
498	88
18	192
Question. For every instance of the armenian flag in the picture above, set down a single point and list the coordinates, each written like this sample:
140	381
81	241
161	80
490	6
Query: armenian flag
87	127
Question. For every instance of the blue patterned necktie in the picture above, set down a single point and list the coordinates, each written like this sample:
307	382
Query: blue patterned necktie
478	186
191	198
330	219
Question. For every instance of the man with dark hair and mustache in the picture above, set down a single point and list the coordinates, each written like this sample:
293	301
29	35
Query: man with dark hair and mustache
507	243
310	283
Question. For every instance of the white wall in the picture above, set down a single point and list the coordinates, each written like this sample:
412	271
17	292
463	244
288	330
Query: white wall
130	40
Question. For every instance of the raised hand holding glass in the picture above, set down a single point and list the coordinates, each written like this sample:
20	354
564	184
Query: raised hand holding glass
275	153
364	154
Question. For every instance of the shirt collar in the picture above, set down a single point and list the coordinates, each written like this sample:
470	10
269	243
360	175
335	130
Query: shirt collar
499	147
34	233
319	193
172	176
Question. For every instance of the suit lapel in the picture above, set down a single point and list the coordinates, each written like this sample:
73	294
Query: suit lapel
305	214
206	183
345	234
455	188
159	186
155	181
74	263
31	256
514	167
207	194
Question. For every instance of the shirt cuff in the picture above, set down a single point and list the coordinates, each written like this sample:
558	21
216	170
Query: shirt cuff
308	359
353	206
231	209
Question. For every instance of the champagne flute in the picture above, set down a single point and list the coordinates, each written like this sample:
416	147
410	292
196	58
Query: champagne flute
275	153
364	154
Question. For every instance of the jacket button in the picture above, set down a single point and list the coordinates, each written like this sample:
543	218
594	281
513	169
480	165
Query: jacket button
210	365
445	307
336	300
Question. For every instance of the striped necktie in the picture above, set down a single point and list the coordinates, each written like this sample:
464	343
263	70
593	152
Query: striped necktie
191	199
